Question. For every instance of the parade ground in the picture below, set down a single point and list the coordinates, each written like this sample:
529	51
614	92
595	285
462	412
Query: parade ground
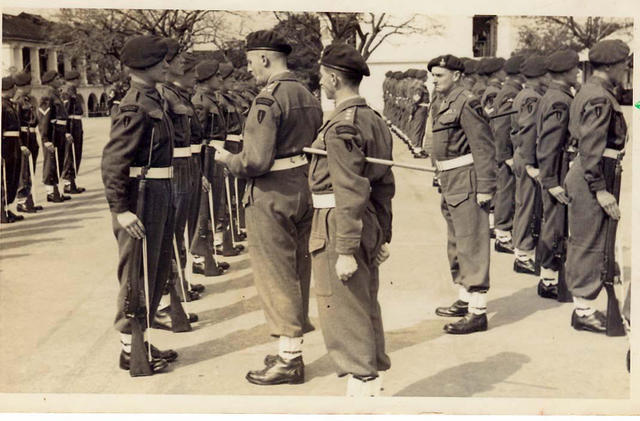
58	289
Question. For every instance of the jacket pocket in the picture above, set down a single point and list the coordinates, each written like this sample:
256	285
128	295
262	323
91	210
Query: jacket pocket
455	199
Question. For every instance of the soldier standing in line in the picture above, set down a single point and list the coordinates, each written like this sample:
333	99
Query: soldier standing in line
420	115
597	123
52	125
470	73
75	112
464	154
553	141
12	151
481	78
141	147
351	223
27	106
495	73
501	123
283	119
525	164
205	102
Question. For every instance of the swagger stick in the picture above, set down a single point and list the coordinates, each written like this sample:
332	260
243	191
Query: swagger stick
380	161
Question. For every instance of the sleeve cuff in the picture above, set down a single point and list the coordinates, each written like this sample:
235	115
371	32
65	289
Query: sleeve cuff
486	186
597	185
347	245
550	182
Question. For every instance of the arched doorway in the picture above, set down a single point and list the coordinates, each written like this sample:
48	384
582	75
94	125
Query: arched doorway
103	104
92	105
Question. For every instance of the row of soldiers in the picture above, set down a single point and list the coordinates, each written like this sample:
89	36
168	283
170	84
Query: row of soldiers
58	119
523	136
406	106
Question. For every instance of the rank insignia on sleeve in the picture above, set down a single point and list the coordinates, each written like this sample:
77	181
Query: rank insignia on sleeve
264	101
129	108
345	130
261	114
598	111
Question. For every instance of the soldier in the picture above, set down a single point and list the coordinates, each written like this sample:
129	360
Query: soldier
495	73
465	158
481	78
141	147
12	151
53	128
27	106
597	122
283	119
553	140
420	98
351	223
470	76
74	110
206	104
501	122
525	164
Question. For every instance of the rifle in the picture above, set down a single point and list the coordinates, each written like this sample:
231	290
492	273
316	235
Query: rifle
611	271
386	162
536	223
179	319
564	296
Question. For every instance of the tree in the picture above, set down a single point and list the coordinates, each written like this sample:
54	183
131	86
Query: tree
99	34
549	33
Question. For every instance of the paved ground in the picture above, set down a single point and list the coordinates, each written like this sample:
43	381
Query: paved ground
58	288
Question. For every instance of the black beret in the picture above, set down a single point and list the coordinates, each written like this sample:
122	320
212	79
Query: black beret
512	65
172	48
225	70
389	73
398	75
189	63
205	69
48	76
533	66
267	40
422	74
562	60
143	51
71	75
490	65
609	51
470	66
7	83
22	79
448	62
344	58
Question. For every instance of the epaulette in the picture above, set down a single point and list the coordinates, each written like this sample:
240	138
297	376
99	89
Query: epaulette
271	88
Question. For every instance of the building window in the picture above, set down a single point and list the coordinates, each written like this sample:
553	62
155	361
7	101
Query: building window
26	59
43	55
485	30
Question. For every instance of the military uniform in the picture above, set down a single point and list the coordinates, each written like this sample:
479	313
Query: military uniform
528	210
75	112
11	153
553	144
420	110
501	123
141	143
465	157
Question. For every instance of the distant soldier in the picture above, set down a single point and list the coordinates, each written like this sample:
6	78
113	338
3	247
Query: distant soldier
525	164
75	112
597	122
27	113
420	99
351	223
283	119
56	139
481	77
553	142
495	73
501	123
12	151
141	148
470	73
465	158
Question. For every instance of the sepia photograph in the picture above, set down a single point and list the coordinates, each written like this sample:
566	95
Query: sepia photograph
212	209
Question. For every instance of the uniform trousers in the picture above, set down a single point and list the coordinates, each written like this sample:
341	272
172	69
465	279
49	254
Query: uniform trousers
504	201
526	189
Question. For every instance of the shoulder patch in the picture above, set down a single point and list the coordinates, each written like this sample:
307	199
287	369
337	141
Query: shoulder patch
264	101
129	108
345	129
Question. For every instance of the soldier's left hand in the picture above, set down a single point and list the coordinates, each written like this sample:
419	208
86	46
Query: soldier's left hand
346	266
484	199
222	155
25	150
383	254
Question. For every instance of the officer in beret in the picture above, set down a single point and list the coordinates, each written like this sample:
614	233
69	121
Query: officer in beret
283	119
501	122
206	102
528	212
73	105
53	126
141	146
351	223
26	107
178	107
553	141
464	155
11	151
597	122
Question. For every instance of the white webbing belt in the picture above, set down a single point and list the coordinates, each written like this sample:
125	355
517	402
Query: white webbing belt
458	162
234	137
323	201
11	133
156	172
288	163
196	148
182	152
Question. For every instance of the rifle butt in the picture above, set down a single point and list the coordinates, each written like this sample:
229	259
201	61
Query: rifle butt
614	318
564	296
179	319
139	364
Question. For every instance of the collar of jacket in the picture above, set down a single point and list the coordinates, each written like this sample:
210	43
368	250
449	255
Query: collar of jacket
149	91
604	83
286	75
357	101
536	86
451	97
560	87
